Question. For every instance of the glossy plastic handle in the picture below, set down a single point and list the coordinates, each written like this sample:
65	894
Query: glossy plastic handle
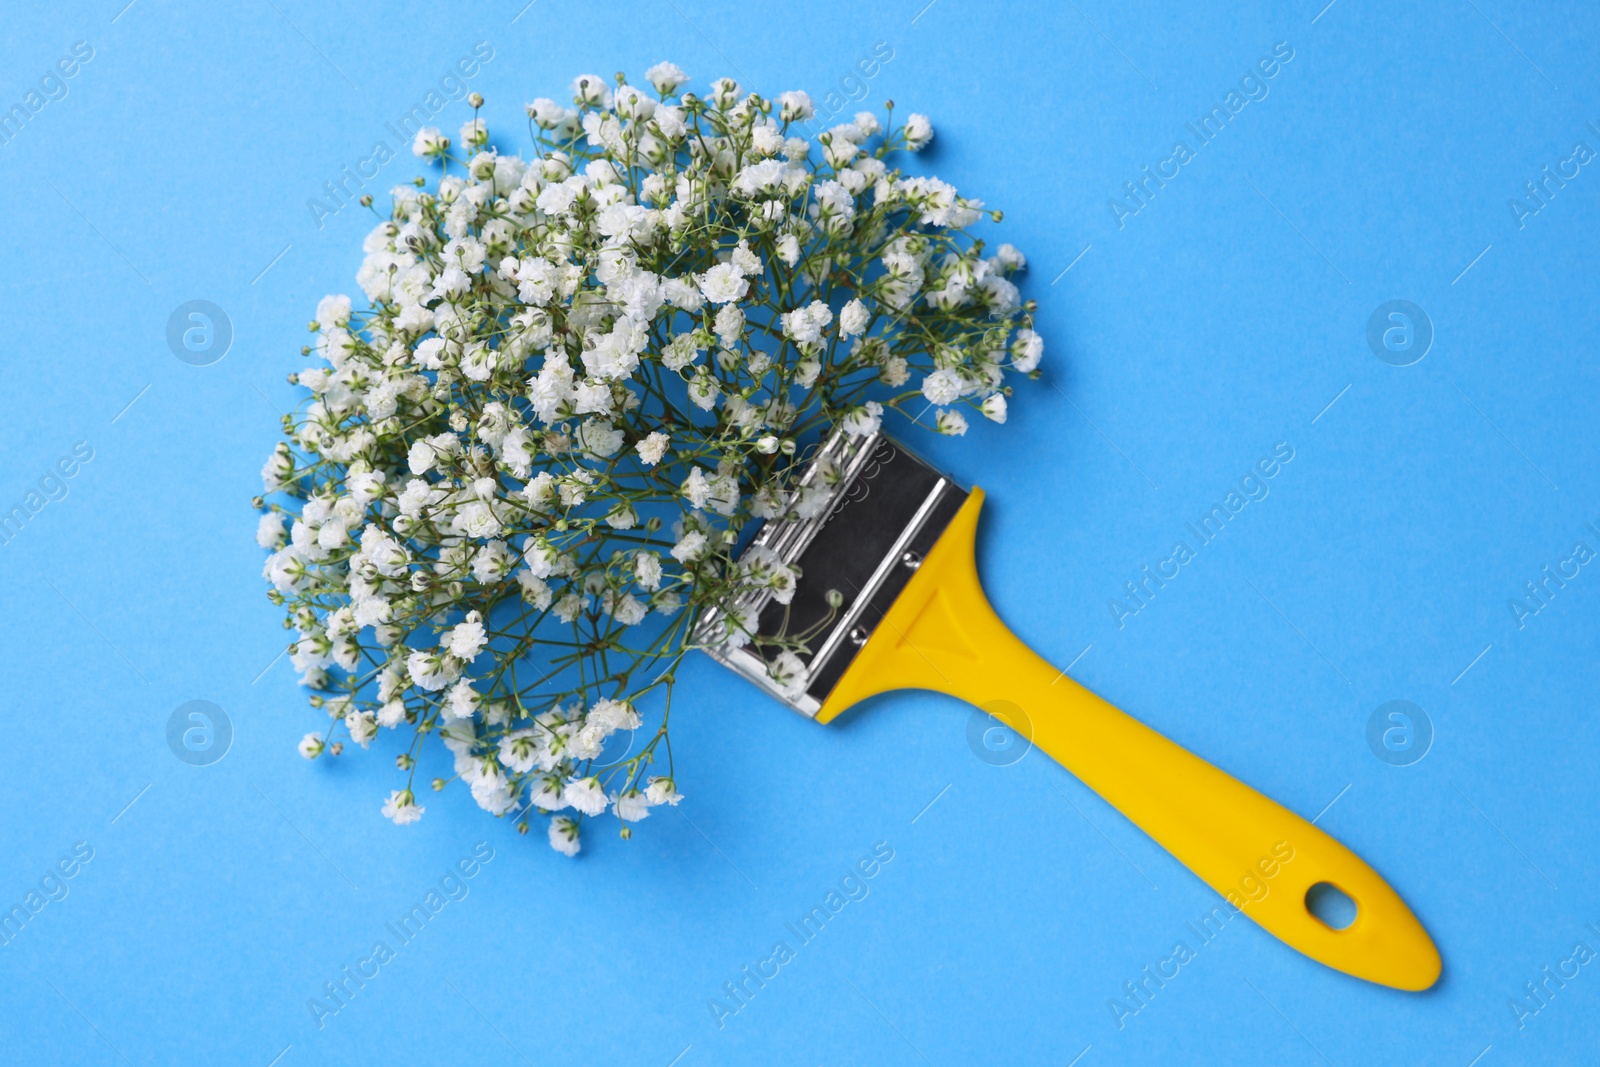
941	634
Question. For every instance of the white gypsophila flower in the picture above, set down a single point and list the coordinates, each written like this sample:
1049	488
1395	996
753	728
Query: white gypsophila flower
535	591
466	639
491	790
697	488
943	387
429	142
919	131
576	378
1026	350
592	90
692	546
392	713
269	531
431	671
667	78
569	607
475	133
631	806
653	448
492	563
729	324
745	258
278	470
564	836
647	571
663	790
463	702
614	715
795	106
805	325
333	312
622	516
545	790
853	319
788	671
704	390
763	569
629	610
520	750
402	807
547	113
599	437
863	420
723	282
586	795
1010	258
363	726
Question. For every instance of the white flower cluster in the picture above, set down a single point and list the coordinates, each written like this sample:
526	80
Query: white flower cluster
523	466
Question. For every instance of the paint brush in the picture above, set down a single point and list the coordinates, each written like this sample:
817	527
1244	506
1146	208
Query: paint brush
888	598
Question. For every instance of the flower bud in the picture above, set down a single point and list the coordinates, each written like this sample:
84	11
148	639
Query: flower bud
475	100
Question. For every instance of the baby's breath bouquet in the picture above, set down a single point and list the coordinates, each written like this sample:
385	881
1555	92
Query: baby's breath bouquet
525	466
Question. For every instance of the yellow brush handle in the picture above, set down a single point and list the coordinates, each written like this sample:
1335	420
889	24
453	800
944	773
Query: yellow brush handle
941	634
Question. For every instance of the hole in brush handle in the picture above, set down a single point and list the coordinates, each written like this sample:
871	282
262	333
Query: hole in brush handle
1331	906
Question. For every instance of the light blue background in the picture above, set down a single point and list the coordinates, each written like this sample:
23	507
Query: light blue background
1224	317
